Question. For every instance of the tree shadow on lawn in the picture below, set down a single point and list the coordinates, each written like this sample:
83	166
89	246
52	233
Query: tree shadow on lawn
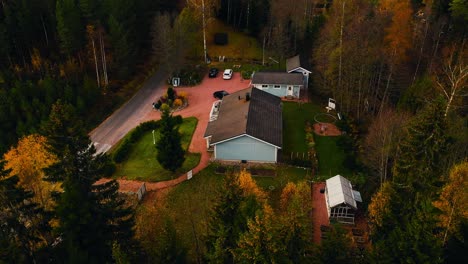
141	163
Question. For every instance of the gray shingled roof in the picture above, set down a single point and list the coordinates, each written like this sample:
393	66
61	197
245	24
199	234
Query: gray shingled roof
296	62
260	117
278	78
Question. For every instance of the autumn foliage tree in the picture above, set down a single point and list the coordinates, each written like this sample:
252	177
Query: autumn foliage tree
453	202
27	160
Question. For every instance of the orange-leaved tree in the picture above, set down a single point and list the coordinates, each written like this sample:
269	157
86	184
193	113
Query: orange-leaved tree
249	187
27	160
453	202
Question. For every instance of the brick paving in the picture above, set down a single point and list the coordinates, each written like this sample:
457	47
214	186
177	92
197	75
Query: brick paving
200	99
319	210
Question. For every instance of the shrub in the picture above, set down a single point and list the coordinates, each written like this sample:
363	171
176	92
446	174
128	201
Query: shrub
182	95
122	151
158	104
164	107
171	93
177	103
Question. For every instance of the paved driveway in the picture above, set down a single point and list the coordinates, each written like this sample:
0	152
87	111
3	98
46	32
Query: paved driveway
116	126
200	100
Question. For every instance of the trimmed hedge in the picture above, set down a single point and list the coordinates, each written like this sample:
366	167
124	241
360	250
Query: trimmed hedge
121	153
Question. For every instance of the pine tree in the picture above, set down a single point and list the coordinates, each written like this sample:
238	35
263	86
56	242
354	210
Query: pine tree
69	26
225	224
419	161
24	227
124	49
408	211
90	217
337	247
170	155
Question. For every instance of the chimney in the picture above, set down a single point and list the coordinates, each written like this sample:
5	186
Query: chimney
247	97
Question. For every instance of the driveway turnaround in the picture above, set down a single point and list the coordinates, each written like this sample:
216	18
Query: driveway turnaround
200	99
116	126
139	109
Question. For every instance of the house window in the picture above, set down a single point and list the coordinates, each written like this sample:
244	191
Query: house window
264	86
277	86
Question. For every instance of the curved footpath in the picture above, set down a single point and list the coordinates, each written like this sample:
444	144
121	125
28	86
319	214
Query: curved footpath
200	100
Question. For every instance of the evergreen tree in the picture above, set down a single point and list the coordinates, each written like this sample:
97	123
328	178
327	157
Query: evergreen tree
90	217
419	162
170	155
337	247
225	224
409	220
69	26
24	227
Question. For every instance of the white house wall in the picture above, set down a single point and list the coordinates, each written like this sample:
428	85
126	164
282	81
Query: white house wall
280	91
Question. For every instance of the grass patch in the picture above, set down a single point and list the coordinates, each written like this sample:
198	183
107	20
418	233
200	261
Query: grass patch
189	206
294	118
274	185
330	157
141	163
240	45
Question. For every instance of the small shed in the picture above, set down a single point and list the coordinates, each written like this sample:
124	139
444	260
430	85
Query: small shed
299	64
341	199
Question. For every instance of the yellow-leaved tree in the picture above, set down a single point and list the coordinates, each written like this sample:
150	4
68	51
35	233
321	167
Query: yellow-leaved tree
453	202
27	160
249	187
380	205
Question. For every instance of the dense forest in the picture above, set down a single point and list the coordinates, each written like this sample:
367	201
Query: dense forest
77	51
398	70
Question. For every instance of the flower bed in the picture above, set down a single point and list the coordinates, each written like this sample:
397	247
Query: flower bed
171	100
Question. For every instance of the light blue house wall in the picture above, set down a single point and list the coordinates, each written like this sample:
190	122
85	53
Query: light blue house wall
279	90
245	148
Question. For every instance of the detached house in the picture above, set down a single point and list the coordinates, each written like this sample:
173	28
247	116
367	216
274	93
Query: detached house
284	84
247	126
281	84
298	64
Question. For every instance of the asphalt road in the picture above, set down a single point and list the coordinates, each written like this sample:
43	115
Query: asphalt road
132	113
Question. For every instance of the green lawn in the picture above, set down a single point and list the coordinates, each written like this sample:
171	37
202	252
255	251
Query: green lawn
284	174
189	205
330	156
141	163
294	118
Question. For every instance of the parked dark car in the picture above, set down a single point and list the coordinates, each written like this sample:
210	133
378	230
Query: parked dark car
220	94
213	73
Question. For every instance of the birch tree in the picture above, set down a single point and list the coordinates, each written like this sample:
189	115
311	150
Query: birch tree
205	9
452	83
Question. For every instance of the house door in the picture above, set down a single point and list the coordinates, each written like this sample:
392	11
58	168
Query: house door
290	91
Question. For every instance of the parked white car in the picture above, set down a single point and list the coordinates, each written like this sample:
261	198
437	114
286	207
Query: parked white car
227	75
